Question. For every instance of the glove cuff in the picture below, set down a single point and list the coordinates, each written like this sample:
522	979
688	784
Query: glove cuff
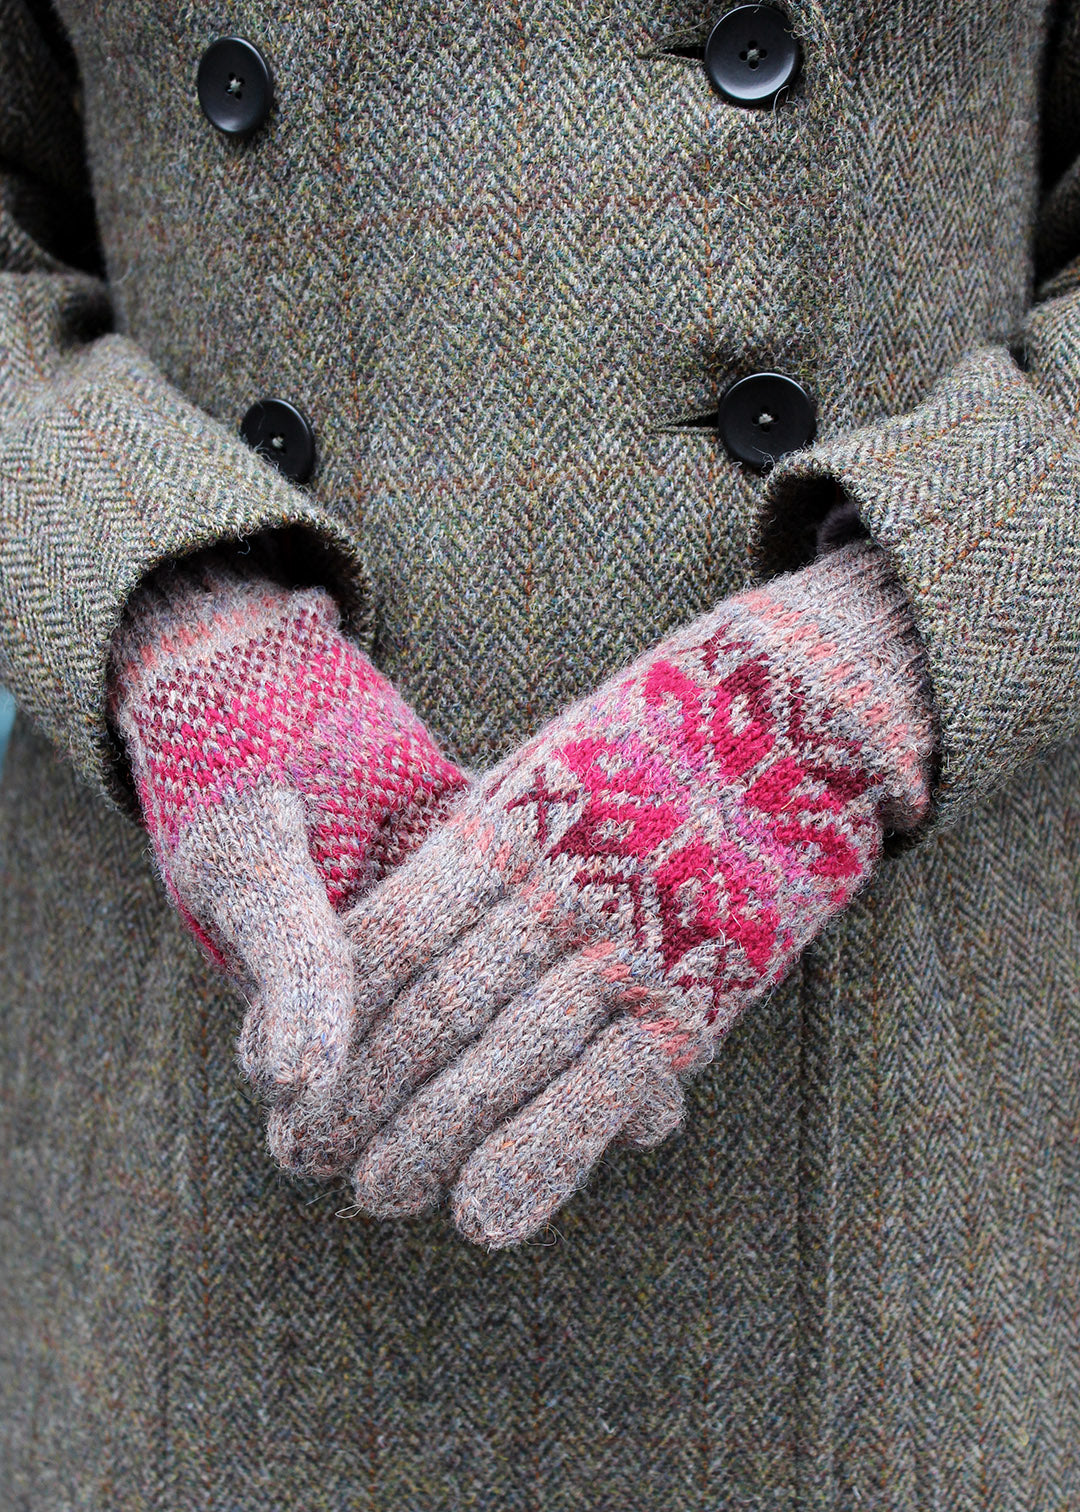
189	612
846	625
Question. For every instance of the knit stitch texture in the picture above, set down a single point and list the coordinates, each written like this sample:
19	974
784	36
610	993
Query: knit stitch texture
610	899
851	1279
279	775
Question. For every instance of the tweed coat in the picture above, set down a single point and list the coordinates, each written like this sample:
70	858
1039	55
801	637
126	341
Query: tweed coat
500	255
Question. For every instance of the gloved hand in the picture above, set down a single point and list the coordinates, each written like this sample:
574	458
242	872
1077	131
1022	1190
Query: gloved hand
606	902
279	775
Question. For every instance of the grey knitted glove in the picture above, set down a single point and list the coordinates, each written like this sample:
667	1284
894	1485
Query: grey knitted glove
279	775
539	978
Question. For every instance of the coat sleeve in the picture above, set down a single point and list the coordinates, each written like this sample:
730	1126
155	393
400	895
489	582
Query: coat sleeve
105	469
975	496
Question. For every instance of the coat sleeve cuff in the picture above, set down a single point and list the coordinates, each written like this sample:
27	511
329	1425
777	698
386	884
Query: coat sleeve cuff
975	498
107	473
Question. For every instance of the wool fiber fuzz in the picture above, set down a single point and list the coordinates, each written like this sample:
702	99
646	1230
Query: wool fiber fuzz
542	975
279	776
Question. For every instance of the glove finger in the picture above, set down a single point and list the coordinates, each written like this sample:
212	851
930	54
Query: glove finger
422	1030
513	1183
244	869
656	1117
416	913
411	1161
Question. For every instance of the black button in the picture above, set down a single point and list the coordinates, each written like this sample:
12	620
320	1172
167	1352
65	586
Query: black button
279	431
751	54
235	87
764	415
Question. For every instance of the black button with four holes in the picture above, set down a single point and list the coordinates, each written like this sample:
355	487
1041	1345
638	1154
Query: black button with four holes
278	430
751	54
764	415
235	87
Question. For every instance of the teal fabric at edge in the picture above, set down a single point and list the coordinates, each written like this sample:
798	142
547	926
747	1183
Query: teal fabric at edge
7	714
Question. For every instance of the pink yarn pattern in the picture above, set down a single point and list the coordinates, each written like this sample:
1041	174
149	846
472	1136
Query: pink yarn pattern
583	932
224	684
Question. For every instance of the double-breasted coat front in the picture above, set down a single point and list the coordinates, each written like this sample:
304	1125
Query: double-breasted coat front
504	263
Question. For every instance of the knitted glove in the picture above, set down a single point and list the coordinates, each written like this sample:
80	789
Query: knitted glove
279	775
609	899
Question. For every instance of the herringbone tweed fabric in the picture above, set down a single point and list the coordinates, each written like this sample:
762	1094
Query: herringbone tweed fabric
851	1280
496	254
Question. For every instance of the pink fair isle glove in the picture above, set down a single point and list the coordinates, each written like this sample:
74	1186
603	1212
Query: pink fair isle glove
279	775
543	974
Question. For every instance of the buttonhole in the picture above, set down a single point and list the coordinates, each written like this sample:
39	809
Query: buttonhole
692	422
278	443
752	54
235	86
765	421
682	44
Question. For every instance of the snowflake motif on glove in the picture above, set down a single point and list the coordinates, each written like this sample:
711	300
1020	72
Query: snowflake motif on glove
604	905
